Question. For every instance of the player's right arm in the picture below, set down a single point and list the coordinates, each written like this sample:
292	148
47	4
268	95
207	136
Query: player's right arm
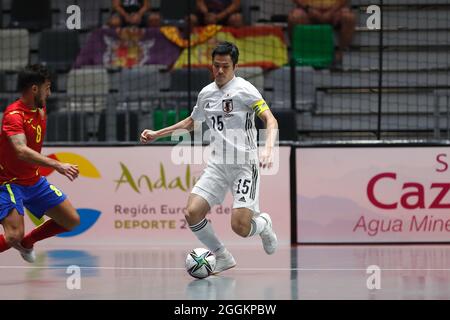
150	135
25	153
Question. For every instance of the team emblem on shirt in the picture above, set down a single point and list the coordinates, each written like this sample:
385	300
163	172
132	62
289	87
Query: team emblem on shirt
227	105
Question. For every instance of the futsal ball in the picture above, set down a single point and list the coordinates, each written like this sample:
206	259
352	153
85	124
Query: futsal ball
200	263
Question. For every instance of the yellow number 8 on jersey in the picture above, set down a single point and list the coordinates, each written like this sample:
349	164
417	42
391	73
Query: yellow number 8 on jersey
57	191
38	134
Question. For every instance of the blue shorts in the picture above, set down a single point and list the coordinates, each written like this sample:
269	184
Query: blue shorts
37	198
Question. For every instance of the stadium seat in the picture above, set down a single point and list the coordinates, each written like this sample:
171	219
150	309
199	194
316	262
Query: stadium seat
200	77
138	88
278	93
183	114
246	12
178	91
34	15
287	124
52	102
67	126
88	81
126	128
174	12
159	121
58	49
171	117
87	89
266	10
10	82
2	91
140	81
92	14
14	49
253	74
1	14
312	45
6	4
2	82
167	117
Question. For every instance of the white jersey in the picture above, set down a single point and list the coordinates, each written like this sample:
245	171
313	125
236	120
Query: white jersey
229	112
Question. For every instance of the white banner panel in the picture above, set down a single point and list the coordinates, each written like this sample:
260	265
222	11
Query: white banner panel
373	194
128	195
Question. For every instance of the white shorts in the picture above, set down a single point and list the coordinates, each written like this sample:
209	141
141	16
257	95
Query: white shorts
241	179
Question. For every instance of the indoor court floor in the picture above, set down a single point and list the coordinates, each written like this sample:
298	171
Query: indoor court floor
299	272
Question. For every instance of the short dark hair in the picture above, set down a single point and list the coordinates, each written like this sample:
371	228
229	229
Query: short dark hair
229	48
35	74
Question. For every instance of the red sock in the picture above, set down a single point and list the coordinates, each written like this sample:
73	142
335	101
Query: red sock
3	244
46	230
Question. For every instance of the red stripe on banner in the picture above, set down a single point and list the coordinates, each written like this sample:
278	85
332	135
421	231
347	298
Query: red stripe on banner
262	64
255	31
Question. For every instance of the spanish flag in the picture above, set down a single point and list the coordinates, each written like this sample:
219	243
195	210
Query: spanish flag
262	46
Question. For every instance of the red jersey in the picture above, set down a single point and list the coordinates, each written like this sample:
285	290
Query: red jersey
17	119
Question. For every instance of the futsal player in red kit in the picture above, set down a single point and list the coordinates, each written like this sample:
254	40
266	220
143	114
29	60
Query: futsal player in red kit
21	185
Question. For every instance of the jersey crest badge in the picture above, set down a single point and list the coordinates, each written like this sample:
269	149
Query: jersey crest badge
227	105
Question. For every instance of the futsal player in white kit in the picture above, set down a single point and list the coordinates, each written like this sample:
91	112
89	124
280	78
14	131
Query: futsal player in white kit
228	105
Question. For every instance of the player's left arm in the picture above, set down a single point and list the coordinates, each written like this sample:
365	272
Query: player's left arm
271	125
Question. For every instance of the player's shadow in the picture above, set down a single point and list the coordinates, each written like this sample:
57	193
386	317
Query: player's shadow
212	288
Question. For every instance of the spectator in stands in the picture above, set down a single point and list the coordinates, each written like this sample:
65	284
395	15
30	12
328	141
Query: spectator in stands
224	12
334	12
133	13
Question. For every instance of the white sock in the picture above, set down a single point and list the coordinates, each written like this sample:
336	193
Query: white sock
205	233
257	226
